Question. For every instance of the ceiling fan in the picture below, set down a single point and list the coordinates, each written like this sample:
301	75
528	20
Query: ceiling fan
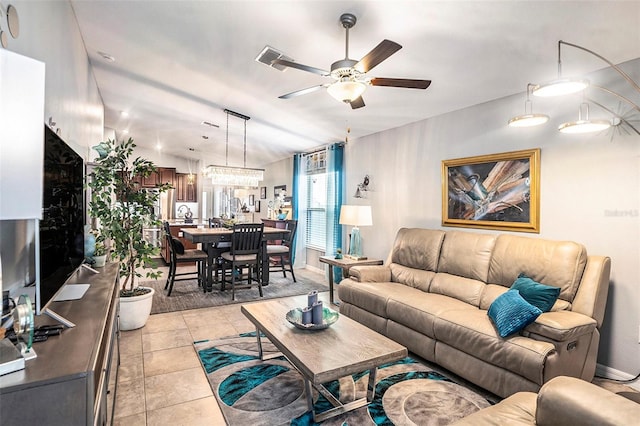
350	76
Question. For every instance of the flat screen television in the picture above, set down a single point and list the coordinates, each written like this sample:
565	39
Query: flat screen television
61	233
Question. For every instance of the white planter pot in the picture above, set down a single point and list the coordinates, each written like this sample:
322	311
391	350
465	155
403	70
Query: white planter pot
99	261
134	311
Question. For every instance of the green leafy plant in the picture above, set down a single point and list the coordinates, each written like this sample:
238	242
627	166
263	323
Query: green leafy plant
124	209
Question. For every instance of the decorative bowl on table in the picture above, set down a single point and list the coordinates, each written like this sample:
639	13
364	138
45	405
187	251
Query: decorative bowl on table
329	317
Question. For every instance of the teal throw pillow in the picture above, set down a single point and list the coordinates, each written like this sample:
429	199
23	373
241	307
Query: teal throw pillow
510	313
540	295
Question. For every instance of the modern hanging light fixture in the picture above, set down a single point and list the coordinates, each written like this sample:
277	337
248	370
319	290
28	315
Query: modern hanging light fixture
528	119
584	125
563	85
234	176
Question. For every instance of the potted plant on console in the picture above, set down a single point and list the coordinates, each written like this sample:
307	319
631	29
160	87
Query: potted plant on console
124	209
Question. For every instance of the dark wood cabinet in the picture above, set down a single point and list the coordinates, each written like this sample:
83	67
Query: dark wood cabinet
73	381
150	181
167	175
186	191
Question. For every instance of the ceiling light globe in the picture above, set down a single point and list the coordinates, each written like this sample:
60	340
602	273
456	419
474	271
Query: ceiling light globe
346	90
562	86
528	120
584	126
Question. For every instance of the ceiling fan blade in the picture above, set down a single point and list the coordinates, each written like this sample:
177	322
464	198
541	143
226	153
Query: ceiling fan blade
303	91
302	67
357	103
401	82
379	53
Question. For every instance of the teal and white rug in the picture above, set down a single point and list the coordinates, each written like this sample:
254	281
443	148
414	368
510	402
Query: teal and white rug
254	392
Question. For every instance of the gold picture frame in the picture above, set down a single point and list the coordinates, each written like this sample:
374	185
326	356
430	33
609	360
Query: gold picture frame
497	191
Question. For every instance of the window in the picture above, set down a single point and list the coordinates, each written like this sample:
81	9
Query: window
316	232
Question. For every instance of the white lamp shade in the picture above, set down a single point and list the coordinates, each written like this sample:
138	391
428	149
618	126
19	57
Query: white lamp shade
355	215
346	90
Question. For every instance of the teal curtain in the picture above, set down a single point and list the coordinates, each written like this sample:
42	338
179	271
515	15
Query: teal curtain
335	188
298	175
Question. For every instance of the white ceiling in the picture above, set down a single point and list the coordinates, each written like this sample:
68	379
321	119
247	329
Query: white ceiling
178	63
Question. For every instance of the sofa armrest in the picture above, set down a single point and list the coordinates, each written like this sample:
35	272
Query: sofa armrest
561	326
570	401
370	273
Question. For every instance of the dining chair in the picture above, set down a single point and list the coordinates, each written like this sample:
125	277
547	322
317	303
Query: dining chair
218	248
283	251
245	252
178	254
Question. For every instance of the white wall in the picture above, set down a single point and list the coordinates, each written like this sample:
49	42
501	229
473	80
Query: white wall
49	33
590	190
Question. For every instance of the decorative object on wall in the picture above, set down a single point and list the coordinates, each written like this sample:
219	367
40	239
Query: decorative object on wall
356	216
278	190
362	187
498	191
263	192
13	24
234	176
251	200
256	206
564	86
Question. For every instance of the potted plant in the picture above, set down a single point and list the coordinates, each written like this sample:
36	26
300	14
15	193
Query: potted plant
124	209
100	252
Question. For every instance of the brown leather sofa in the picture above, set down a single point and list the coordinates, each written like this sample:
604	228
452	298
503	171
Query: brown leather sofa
561	401
434	290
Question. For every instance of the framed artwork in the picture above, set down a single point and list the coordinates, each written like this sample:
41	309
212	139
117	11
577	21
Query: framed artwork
278	189
497	191
263	192
251	199
257	206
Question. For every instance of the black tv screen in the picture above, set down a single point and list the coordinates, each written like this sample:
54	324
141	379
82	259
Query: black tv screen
62	225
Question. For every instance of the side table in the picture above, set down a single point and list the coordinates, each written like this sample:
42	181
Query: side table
345	264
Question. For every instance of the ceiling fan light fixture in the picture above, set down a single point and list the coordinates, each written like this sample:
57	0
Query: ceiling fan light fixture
347	90
559	87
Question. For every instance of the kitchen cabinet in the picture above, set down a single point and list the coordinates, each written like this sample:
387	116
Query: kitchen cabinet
185	191
162	175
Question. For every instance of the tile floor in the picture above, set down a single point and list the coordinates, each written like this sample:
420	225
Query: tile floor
160	380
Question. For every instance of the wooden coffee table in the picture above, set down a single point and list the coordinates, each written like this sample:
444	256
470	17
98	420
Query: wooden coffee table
345	348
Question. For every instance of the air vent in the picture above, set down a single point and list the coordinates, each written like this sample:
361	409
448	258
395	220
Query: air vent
269	54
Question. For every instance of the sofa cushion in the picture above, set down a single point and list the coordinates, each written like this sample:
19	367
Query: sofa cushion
557	263
510	313
467	290
472	332
417	278
466	254
418	310
539	295
417	248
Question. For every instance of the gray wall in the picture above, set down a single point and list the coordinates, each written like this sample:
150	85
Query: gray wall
590	190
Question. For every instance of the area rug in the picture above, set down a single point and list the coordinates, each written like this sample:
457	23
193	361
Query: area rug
255	392
187	295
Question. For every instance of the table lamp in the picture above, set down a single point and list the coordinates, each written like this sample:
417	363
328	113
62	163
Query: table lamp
355	216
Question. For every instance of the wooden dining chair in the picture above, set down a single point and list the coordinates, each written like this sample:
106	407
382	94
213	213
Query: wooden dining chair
178	254
283	251
245	252
218	248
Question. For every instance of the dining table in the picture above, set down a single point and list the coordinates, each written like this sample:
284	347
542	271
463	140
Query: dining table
210	237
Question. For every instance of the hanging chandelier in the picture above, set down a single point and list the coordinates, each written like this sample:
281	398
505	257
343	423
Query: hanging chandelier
234	176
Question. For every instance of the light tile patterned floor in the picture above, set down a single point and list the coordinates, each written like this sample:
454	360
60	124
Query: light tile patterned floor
161	381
